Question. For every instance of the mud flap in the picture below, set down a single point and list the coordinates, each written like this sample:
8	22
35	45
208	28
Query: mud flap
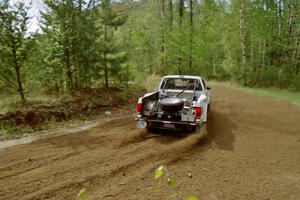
141	124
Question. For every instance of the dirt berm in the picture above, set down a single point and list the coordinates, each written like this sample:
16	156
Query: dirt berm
252	151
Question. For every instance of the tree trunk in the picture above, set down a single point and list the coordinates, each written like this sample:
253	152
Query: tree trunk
18	75
290	21
181	7
20	85
243	43
279	18
163	33
67	58
191	37
105	58
297	54
80	6
263	59
170	13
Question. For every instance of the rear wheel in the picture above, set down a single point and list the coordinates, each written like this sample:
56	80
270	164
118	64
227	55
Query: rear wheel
149	129
190	128
152	127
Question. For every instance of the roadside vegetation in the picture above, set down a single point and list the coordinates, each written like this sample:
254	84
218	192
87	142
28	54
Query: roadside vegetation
292	96
50	111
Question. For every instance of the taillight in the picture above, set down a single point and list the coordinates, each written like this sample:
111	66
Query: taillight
198	112
139	107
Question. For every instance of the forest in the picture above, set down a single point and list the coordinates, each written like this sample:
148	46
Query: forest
96	44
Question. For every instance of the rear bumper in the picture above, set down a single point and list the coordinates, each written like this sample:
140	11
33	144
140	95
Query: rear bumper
144	122
172	122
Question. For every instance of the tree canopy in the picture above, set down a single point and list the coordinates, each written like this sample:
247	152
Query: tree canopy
92	43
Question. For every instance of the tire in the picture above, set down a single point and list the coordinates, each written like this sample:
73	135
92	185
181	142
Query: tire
149	129
152	128
171	104
190	128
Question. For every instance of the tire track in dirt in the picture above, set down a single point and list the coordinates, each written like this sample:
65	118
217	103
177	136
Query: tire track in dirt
114	160
118	166
41	159
128	144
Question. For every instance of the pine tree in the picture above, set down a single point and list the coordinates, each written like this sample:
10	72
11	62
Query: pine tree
70	28
110	49
13	29
59	27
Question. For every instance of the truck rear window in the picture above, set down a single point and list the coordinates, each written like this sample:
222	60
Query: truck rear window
180	84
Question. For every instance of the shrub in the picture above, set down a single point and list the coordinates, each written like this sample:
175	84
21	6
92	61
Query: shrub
122	96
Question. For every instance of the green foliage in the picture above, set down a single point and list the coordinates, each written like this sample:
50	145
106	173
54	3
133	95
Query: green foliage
271	52
122	96
7	129
13	45
82	195
8	104
171	182
150	82
84	44
69	44
191	198
160	173
112	55
10	131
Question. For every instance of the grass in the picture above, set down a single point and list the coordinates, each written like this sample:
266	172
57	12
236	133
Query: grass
8	104
271	92
48	111
11	102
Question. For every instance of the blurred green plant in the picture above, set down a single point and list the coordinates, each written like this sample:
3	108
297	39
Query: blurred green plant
82	195
8	104
161	174
11	131
122	96
7	129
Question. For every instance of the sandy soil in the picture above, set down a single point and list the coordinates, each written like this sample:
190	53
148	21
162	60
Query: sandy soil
252	151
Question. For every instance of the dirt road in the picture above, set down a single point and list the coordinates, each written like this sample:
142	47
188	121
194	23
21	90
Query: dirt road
252	151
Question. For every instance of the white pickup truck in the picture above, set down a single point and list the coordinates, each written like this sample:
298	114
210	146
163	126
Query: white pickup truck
181	102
